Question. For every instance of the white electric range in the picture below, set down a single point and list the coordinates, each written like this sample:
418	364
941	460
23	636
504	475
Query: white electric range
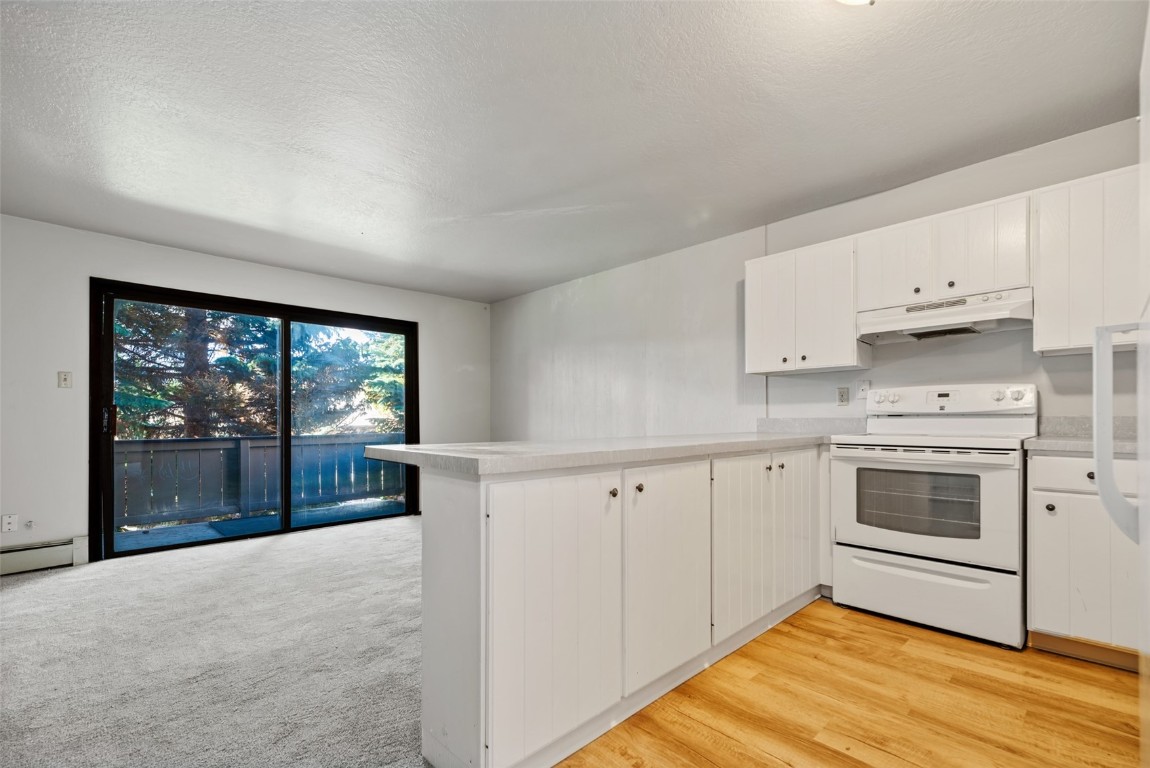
927	507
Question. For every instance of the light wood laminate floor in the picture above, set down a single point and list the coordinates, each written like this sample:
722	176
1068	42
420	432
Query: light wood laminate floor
836	687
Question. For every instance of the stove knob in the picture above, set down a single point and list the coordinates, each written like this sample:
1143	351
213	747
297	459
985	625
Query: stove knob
880	397
895	397
999	395
1017	395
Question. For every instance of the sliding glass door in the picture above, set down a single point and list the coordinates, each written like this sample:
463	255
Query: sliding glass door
347	392
219	418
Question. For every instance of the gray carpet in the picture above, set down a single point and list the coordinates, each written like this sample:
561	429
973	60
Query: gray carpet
295	650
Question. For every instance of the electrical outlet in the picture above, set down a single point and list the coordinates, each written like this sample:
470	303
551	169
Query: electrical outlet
9	523
64	379
844	395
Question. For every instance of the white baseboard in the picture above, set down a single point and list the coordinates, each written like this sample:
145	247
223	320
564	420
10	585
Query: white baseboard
49	555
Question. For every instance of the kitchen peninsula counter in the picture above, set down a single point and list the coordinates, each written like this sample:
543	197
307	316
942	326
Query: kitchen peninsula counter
482	459
568	584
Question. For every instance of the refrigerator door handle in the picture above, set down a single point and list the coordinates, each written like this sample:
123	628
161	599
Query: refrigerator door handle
1121	510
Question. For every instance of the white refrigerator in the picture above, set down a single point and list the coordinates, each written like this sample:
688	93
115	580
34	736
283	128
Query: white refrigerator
1142	514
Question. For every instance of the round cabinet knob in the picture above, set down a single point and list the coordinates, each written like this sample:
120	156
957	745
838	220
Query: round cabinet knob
613	492
880	397
917	289
1089	475
768	467
998	296
804	357
986	298
1049	507
950	284
999	395
895	397
784	359
639	487
1017	395
782	465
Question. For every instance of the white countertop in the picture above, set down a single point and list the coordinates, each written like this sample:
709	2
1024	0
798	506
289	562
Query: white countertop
531	456
1075	444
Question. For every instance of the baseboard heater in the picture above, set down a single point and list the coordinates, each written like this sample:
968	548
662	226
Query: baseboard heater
46	554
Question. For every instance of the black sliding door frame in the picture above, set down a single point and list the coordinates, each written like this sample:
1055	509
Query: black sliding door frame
103	294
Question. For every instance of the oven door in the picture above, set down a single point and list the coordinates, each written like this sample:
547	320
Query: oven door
959	505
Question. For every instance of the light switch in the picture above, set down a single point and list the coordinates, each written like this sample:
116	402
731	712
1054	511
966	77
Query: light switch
64	379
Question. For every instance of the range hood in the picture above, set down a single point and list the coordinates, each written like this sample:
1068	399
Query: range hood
955	316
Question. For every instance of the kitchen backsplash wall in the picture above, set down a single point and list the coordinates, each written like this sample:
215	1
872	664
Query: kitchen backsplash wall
1064	382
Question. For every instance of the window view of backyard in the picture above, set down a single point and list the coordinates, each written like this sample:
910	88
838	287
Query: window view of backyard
198	437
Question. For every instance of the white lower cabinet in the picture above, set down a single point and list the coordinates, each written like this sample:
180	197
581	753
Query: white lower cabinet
600	584
765	535
667	569
555	609
1082	571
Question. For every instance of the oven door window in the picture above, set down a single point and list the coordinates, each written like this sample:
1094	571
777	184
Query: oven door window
920	502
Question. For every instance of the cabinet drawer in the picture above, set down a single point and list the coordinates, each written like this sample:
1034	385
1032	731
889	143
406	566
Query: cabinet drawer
1068	473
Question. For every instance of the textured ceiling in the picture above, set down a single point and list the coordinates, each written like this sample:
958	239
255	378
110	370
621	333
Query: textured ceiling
486	149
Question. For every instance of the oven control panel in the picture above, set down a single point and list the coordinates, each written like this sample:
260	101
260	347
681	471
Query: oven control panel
959	399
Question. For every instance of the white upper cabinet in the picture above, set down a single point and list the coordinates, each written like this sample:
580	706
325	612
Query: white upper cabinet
825	333
973	250
800	310
770	313
1086	260
894	266
982	249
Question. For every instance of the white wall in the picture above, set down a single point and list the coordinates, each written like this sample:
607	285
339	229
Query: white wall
44	285
1064	383
652	348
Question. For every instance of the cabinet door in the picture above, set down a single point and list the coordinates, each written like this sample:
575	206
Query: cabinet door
1086	260
770	313
555	626
667	574
1121	255
795	517
1082	571
825	330
742	543
894	266
982	249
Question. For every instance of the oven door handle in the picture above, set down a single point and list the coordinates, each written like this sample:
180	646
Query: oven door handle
948	459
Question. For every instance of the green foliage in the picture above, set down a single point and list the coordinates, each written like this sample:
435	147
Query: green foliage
184	372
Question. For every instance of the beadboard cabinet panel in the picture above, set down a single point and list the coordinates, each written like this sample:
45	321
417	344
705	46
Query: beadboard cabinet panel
667	550
1082	570
894	266
802	306
1086	260
765	517
556	608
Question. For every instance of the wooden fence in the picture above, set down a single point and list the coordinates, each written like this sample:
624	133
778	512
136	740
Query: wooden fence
190	479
